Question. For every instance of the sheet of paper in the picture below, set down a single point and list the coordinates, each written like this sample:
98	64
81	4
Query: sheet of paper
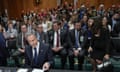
22	70
1	70
37	70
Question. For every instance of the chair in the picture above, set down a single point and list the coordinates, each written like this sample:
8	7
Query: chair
115	55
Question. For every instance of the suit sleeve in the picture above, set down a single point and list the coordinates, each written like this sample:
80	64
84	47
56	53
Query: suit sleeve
18	42
27	61
65	40
50	56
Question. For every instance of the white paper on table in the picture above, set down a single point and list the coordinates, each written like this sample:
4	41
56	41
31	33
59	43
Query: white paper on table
37	70
0	70
22	70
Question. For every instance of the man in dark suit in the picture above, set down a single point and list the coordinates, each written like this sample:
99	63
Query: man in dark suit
113	21
58	42
21	43
21	39
37	54
78	39
41	36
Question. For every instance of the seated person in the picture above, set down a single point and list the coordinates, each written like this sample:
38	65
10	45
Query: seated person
58	42
77	43
37	54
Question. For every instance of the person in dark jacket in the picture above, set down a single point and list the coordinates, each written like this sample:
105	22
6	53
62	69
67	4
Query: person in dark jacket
3	49
37	54
78	38
99	48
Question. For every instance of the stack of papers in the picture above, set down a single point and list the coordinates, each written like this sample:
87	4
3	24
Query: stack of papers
37	70
22	70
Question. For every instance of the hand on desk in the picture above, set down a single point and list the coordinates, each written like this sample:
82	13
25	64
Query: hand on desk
46	66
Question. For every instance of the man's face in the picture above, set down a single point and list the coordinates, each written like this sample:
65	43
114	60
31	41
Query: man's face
55	27
23	29
116	16
10	26
32	40
77	26
85	18
40	28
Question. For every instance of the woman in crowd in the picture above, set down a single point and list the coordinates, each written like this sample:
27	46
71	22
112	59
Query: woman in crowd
105	24
90	24
99	49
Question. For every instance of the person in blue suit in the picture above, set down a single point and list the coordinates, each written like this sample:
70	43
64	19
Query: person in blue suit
37	54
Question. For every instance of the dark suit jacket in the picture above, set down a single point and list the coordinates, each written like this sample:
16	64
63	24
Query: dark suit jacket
3	49
73	40
43	37
116	30
45	55
116	27
19	41
63	38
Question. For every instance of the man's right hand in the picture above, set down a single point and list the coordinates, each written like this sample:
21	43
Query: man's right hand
22	50
56	49
90	49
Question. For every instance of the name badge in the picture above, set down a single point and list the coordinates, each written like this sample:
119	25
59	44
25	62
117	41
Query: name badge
81	38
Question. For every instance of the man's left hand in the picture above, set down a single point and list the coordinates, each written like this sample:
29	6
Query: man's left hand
46	66
76	52
107	56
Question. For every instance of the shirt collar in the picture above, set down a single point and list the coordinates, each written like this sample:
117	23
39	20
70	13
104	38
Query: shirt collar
37	46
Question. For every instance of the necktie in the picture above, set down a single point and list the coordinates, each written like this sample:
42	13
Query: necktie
77	39
35	55
24	40
57	45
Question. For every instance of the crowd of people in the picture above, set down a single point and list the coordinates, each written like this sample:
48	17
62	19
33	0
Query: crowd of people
65	31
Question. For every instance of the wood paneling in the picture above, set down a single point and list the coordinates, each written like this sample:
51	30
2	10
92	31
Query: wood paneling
1	8
68	1
88	3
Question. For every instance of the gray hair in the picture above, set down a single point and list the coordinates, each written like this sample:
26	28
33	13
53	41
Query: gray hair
30	34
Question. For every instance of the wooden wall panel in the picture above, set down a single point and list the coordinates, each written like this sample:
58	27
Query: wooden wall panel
108	3
29	4
12	8
88	3
1	4
69	1
48	4
19	9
